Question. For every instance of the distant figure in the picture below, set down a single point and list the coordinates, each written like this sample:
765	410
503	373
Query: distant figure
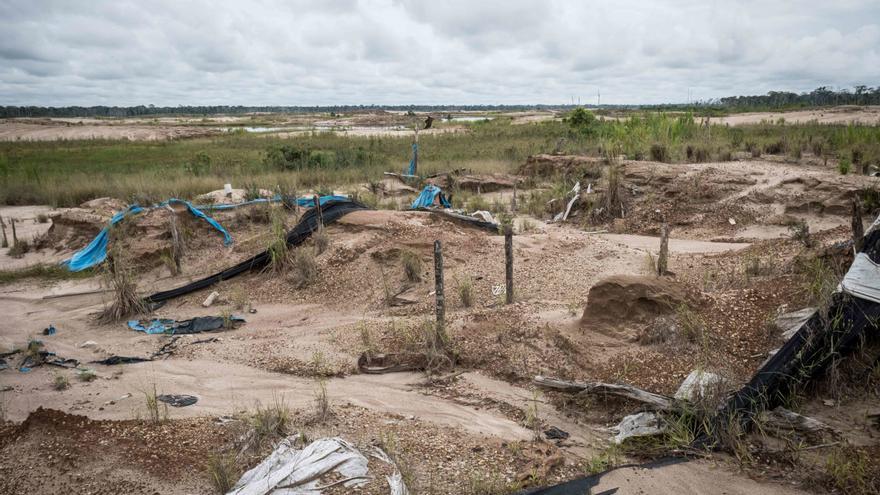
428	122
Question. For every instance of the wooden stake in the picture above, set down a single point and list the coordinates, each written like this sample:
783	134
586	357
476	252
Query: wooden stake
662	259
14	236
858	228
3	227
438	286
318	208
176	244
508	262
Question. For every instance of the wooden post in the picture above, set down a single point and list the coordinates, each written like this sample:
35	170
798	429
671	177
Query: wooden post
858	228
438	286
176	241
14	236
3	227
662	259
318	209
508	262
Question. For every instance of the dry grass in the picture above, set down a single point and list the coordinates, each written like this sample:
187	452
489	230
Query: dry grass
320	239
412	266
223	471
466	292
119	276
303	267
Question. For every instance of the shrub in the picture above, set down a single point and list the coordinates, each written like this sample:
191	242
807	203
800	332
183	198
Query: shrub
844	166
412	266
223	472
119	276
303	267
659	152
60	382
320	239
466	292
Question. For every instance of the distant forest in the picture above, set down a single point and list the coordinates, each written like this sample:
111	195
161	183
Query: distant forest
774	100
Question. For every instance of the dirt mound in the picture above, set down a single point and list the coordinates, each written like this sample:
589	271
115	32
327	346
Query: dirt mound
549	165
620	303
236	196
478	183
71	453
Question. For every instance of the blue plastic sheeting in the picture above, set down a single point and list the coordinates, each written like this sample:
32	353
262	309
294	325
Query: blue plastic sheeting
414	160
426	198
153	326
227	239
96	251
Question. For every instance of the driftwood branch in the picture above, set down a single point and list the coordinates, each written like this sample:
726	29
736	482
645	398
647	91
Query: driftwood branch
781	419
655	401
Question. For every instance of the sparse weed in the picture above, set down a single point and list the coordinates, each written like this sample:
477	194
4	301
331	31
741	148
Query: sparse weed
322	402
223	471
412	266
60	382
119	276
320	239
466	292
303	267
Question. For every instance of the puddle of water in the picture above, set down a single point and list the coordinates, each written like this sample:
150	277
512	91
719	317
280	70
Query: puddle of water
470	118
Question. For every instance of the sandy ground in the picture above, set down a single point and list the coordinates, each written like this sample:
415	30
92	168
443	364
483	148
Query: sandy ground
868	115
299	339
17	131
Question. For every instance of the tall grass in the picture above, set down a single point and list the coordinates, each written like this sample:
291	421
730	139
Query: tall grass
66	173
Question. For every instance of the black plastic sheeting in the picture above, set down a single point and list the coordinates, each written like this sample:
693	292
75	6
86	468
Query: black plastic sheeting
330	212
582	486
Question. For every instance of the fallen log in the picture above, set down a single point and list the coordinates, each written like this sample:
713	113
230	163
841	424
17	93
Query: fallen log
781	419
655	401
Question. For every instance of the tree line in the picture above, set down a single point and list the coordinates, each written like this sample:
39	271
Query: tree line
774	100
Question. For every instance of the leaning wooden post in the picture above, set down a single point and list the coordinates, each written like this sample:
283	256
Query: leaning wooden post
662	259
318	209
14	236
176	242
438	286
858	228
3	227
508	262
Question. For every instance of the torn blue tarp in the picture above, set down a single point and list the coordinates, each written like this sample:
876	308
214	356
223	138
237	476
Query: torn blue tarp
96	251
227	239
430	195
174	327
415	160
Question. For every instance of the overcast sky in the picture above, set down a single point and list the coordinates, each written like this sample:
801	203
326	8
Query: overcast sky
326	52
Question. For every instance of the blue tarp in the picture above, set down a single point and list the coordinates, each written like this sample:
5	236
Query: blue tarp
414	160
96	251
426	198
173	327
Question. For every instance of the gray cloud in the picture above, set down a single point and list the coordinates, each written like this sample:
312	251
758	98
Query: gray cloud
127	52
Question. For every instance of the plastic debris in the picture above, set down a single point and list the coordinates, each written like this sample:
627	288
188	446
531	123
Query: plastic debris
554	433
174	327
50	330
697	384
638	425
177	400
211	298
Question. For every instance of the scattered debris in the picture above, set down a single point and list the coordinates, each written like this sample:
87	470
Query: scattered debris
211	298
697	384
638	425
50	330
789	323
174	327
114	360
390	363
650	399
289	470
782	419
177	400
554	433
89	344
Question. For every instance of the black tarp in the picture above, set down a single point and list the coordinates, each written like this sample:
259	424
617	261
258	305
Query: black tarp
330	212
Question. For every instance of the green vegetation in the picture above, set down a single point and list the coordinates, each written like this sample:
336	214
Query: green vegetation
67	173
49	272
